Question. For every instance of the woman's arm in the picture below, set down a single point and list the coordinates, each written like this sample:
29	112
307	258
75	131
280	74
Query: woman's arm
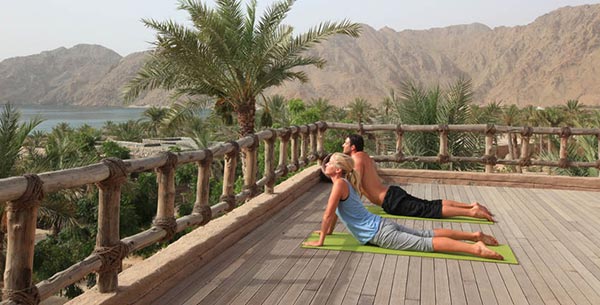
329	217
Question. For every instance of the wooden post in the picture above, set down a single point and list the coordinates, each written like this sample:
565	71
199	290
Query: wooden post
443	154
524	152
304	146
108	240
564	141
489	147
321	127
399	136
201	206
251	167
229	176
21	217
598	139
313	144
283	151
165	212
524	157
295	147
269	162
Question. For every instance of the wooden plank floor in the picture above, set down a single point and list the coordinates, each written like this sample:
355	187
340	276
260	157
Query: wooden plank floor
554	234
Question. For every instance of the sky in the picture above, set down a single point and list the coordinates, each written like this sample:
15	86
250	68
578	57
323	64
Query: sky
29	27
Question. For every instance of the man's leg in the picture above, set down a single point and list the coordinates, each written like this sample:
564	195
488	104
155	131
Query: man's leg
474	211
457	204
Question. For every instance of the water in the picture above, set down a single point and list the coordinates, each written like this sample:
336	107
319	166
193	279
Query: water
77	116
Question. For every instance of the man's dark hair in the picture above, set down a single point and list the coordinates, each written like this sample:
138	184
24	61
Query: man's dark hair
357	141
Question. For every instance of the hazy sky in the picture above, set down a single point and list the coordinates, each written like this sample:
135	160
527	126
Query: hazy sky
29	27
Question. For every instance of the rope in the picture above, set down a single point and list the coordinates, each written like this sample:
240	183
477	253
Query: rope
443	128
111	256
563	163
253	189
285	135
169	224
171	160
255	142
27	296
117	172
565	132
524	162
443	158
208	157
527	132
31	197
490	129
230	200
205	211
489	159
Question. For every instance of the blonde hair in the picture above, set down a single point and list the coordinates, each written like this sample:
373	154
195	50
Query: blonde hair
346	164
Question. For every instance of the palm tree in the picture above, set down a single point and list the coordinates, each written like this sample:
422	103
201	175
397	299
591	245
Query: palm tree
361	111
12	137
420	106
511	116
152	119
230	55
553	116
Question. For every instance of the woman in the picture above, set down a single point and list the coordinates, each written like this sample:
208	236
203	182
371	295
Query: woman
344	202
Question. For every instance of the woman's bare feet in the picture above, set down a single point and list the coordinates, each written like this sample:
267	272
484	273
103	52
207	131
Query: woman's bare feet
485	252
486	239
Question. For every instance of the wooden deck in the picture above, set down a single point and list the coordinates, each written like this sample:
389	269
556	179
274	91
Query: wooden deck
554	235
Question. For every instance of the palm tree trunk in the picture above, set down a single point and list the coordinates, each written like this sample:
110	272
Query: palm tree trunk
245	114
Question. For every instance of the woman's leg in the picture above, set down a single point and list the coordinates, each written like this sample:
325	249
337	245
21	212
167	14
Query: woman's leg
445	244
460	235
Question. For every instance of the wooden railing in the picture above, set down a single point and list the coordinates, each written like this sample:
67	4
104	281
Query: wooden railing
298	147
489	159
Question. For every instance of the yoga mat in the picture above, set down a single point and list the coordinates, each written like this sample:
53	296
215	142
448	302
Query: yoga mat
345	242
377	210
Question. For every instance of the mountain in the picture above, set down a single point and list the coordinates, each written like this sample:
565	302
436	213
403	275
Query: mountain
547	62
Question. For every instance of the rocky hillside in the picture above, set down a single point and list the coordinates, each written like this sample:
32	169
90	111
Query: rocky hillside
551	60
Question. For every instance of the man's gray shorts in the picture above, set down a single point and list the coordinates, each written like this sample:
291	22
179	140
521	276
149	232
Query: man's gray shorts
391	235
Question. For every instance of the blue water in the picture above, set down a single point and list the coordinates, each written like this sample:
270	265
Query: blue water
77	116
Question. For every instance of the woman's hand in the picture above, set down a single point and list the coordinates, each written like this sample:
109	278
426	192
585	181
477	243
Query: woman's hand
314	243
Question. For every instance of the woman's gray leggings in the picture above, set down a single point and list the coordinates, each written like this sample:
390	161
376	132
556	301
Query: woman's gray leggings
391	235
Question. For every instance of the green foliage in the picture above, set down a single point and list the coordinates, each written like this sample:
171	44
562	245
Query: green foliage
230	55
12	138
56	253
112	149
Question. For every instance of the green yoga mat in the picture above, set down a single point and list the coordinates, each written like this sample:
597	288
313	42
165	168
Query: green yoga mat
346	242
377	210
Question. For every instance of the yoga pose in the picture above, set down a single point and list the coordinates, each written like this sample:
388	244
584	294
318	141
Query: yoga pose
395	200
344	202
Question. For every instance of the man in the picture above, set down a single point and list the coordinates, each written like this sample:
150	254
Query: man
395	200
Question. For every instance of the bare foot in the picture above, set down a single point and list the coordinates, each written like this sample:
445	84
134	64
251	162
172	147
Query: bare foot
477	212
481	206
485	252
486	239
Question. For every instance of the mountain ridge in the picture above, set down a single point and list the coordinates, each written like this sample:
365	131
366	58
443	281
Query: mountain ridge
546	62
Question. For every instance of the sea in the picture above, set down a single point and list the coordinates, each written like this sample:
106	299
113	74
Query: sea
77	116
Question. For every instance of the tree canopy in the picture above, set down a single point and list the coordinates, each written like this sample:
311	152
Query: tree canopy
230	54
